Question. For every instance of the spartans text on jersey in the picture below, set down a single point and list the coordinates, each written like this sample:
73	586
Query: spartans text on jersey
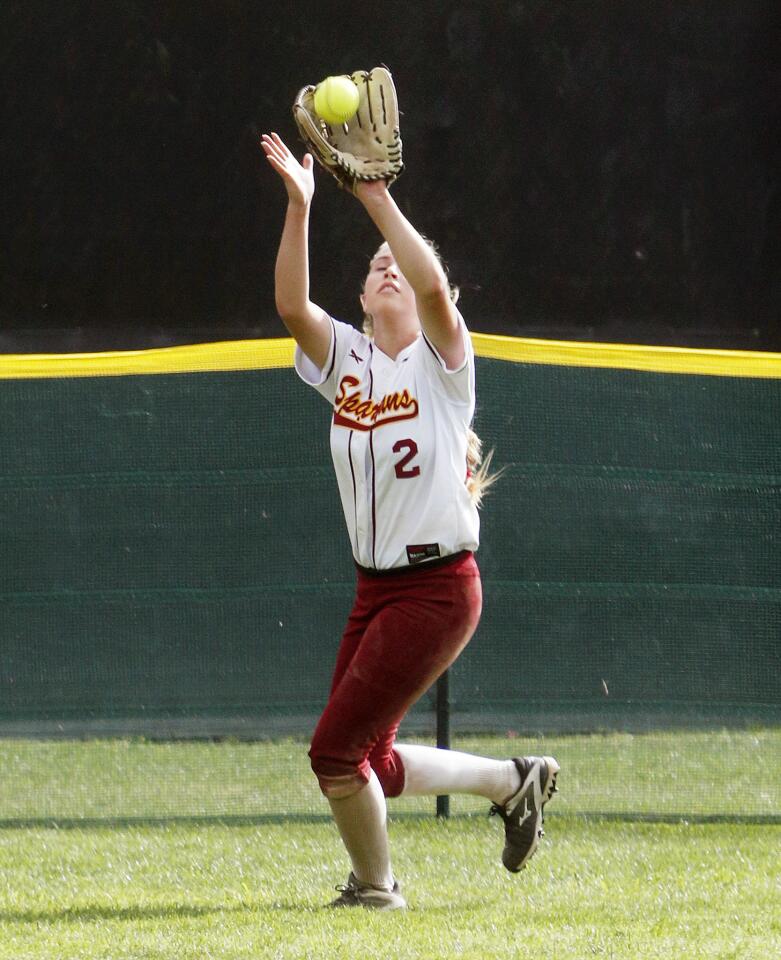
353	411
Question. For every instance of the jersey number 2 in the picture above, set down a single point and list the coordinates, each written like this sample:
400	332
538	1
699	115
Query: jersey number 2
402	468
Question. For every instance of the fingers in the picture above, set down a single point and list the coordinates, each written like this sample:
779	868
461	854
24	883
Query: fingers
275	148
279	167
298	178
273	145
277	155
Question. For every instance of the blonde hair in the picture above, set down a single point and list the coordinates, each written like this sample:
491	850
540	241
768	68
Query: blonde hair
368	320
479	479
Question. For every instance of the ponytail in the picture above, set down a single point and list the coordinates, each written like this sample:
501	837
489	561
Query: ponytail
478	476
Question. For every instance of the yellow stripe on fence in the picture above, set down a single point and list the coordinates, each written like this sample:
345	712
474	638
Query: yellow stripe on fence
721	363
274	353
193	358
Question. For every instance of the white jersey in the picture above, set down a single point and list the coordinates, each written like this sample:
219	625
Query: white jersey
398	441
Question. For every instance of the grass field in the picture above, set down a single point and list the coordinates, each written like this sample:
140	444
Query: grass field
173	851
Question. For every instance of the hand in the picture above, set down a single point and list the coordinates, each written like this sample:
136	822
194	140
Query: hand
298	177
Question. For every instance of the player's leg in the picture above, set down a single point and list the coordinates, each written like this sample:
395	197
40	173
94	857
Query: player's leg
424	633
412	770
406	645
519	789
429	771
354	794
361	821
361	818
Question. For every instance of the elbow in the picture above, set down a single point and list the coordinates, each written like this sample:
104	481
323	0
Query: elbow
300	317
288	311
440	287
438	293
283	312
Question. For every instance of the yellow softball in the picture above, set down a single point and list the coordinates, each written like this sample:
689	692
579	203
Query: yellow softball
336	99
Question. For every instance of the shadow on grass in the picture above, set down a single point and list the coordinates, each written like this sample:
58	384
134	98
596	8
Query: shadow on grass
122	823
759	819
94	912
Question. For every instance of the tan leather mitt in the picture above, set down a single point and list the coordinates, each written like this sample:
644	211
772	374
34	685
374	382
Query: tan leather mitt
368	147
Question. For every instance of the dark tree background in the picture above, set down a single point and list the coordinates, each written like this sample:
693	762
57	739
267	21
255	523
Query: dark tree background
601	169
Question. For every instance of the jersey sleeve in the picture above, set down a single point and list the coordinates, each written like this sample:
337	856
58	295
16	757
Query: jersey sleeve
343	338
458	385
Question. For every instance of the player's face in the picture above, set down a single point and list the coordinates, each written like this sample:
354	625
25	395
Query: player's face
386	287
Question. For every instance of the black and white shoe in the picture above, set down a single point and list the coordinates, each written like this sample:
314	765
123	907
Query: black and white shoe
522	813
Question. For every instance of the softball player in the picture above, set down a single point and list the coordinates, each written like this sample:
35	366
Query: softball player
403	401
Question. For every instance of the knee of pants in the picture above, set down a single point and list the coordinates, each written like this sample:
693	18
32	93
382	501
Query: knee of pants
338	778
390	772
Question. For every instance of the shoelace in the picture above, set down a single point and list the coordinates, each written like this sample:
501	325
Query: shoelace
497	809
346	888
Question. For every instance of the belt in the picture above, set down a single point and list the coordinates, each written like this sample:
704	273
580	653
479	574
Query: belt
414	567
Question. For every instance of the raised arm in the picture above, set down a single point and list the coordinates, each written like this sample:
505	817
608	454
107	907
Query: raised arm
305	321
419	264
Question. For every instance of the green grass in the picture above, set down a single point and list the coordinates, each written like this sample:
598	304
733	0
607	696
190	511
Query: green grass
107	885
596	889
658	775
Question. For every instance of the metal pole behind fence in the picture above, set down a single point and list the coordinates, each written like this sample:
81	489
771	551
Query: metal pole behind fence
443	732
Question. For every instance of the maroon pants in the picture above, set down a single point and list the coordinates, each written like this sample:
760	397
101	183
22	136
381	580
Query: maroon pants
404	631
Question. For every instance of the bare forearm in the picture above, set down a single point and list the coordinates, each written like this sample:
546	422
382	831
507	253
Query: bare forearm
291	273
305	321
423	271
414	256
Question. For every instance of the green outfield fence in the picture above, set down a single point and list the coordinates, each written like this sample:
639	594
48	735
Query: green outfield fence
173	562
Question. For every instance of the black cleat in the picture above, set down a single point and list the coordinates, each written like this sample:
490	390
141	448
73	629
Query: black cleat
522	813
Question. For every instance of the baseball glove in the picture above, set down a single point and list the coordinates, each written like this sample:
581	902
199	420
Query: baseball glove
368	147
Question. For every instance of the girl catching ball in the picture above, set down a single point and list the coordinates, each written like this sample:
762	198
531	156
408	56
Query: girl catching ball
402	397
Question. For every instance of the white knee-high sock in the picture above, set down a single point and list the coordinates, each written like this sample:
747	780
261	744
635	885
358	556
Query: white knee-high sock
429	770
361	819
